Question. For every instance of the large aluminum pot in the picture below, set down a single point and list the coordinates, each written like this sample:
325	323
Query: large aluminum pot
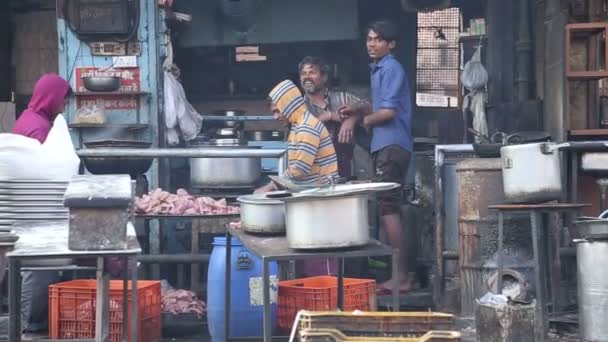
331	222
592	289
225	172
531	173
262	215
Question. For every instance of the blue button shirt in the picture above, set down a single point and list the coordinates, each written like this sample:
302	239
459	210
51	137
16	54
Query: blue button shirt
390	89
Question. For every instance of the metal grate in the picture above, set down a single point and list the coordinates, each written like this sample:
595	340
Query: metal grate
438	58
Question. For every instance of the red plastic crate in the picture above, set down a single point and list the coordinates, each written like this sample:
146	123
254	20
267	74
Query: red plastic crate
321	294
72	310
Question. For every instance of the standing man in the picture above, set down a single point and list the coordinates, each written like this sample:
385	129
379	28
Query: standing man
390	123
323	103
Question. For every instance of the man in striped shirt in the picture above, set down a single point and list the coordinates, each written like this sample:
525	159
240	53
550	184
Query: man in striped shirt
311	155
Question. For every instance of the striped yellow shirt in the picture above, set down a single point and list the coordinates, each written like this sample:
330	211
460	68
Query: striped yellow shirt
311	154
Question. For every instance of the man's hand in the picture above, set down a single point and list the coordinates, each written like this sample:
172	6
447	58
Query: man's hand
345	136
329	116
266	188
346	111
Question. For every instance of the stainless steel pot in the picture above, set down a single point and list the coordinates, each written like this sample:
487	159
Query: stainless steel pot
265	135
331	222
230	113
224	172
531	173
592	289
262	215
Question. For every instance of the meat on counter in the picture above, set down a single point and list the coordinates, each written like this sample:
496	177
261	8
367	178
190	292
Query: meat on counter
180	302
160	202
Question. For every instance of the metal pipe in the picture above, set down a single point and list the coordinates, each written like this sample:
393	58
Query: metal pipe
204	152
523	46
450	255
440	151
173	258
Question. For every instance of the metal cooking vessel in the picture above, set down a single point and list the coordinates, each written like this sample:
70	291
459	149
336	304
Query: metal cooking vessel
224	172
265	135
262	215
105	166
592	289
595	164
589	228
229	113
531	173
329	222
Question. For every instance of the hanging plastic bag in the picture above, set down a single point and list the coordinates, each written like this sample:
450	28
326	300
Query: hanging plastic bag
179	113
474	75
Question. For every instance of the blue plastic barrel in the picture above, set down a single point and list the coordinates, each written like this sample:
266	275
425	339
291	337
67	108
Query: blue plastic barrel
246	302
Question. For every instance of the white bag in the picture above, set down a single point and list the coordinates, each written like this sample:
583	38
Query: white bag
23	158
474	76
178	111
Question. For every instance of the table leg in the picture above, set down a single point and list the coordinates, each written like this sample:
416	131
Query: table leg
194	249
499	252
134	300
228	288
266	294
541	323
341	284
125	297
573	177
154	243
14	301
102	314
394	271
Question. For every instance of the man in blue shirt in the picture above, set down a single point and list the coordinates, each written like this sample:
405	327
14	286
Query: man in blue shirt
389	119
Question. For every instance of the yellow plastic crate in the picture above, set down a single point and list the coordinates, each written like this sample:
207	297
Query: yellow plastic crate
334	335
377	324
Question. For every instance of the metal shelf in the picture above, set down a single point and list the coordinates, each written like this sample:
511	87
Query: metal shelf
238	118
113	93
131	127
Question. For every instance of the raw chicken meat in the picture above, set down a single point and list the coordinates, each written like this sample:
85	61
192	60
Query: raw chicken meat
159	202
181	301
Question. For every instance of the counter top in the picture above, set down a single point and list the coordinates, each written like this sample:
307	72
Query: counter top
275	248
41	239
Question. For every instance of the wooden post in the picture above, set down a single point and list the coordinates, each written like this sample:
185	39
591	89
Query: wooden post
506	323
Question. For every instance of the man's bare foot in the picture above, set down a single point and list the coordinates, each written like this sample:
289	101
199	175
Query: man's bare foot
404	286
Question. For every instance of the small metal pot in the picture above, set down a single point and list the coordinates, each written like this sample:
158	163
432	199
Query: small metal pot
230	113
224	172
265	136
262	215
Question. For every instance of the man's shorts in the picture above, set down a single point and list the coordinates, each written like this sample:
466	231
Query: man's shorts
391	164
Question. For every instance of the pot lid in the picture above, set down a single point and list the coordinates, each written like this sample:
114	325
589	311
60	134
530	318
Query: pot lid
341	190
257	199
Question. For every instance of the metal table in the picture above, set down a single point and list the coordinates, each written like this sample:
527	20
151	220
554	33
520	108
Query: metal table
201	224
538	220
40	240
275	249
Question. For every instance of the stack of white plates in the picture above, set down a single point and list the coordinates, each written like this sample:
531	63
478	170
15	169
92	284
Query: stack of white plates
33	201
29	200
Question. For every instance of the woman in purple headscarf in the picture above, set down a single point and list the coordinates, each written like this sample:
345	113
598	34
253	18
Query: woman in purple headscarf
49	98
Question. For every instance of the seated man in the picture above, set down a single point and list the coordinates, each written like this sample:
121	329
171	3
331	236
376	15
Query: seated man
311	156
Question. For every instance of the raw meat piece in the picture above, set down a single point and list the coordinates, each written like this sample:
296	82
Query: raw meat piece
181	301
159	202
